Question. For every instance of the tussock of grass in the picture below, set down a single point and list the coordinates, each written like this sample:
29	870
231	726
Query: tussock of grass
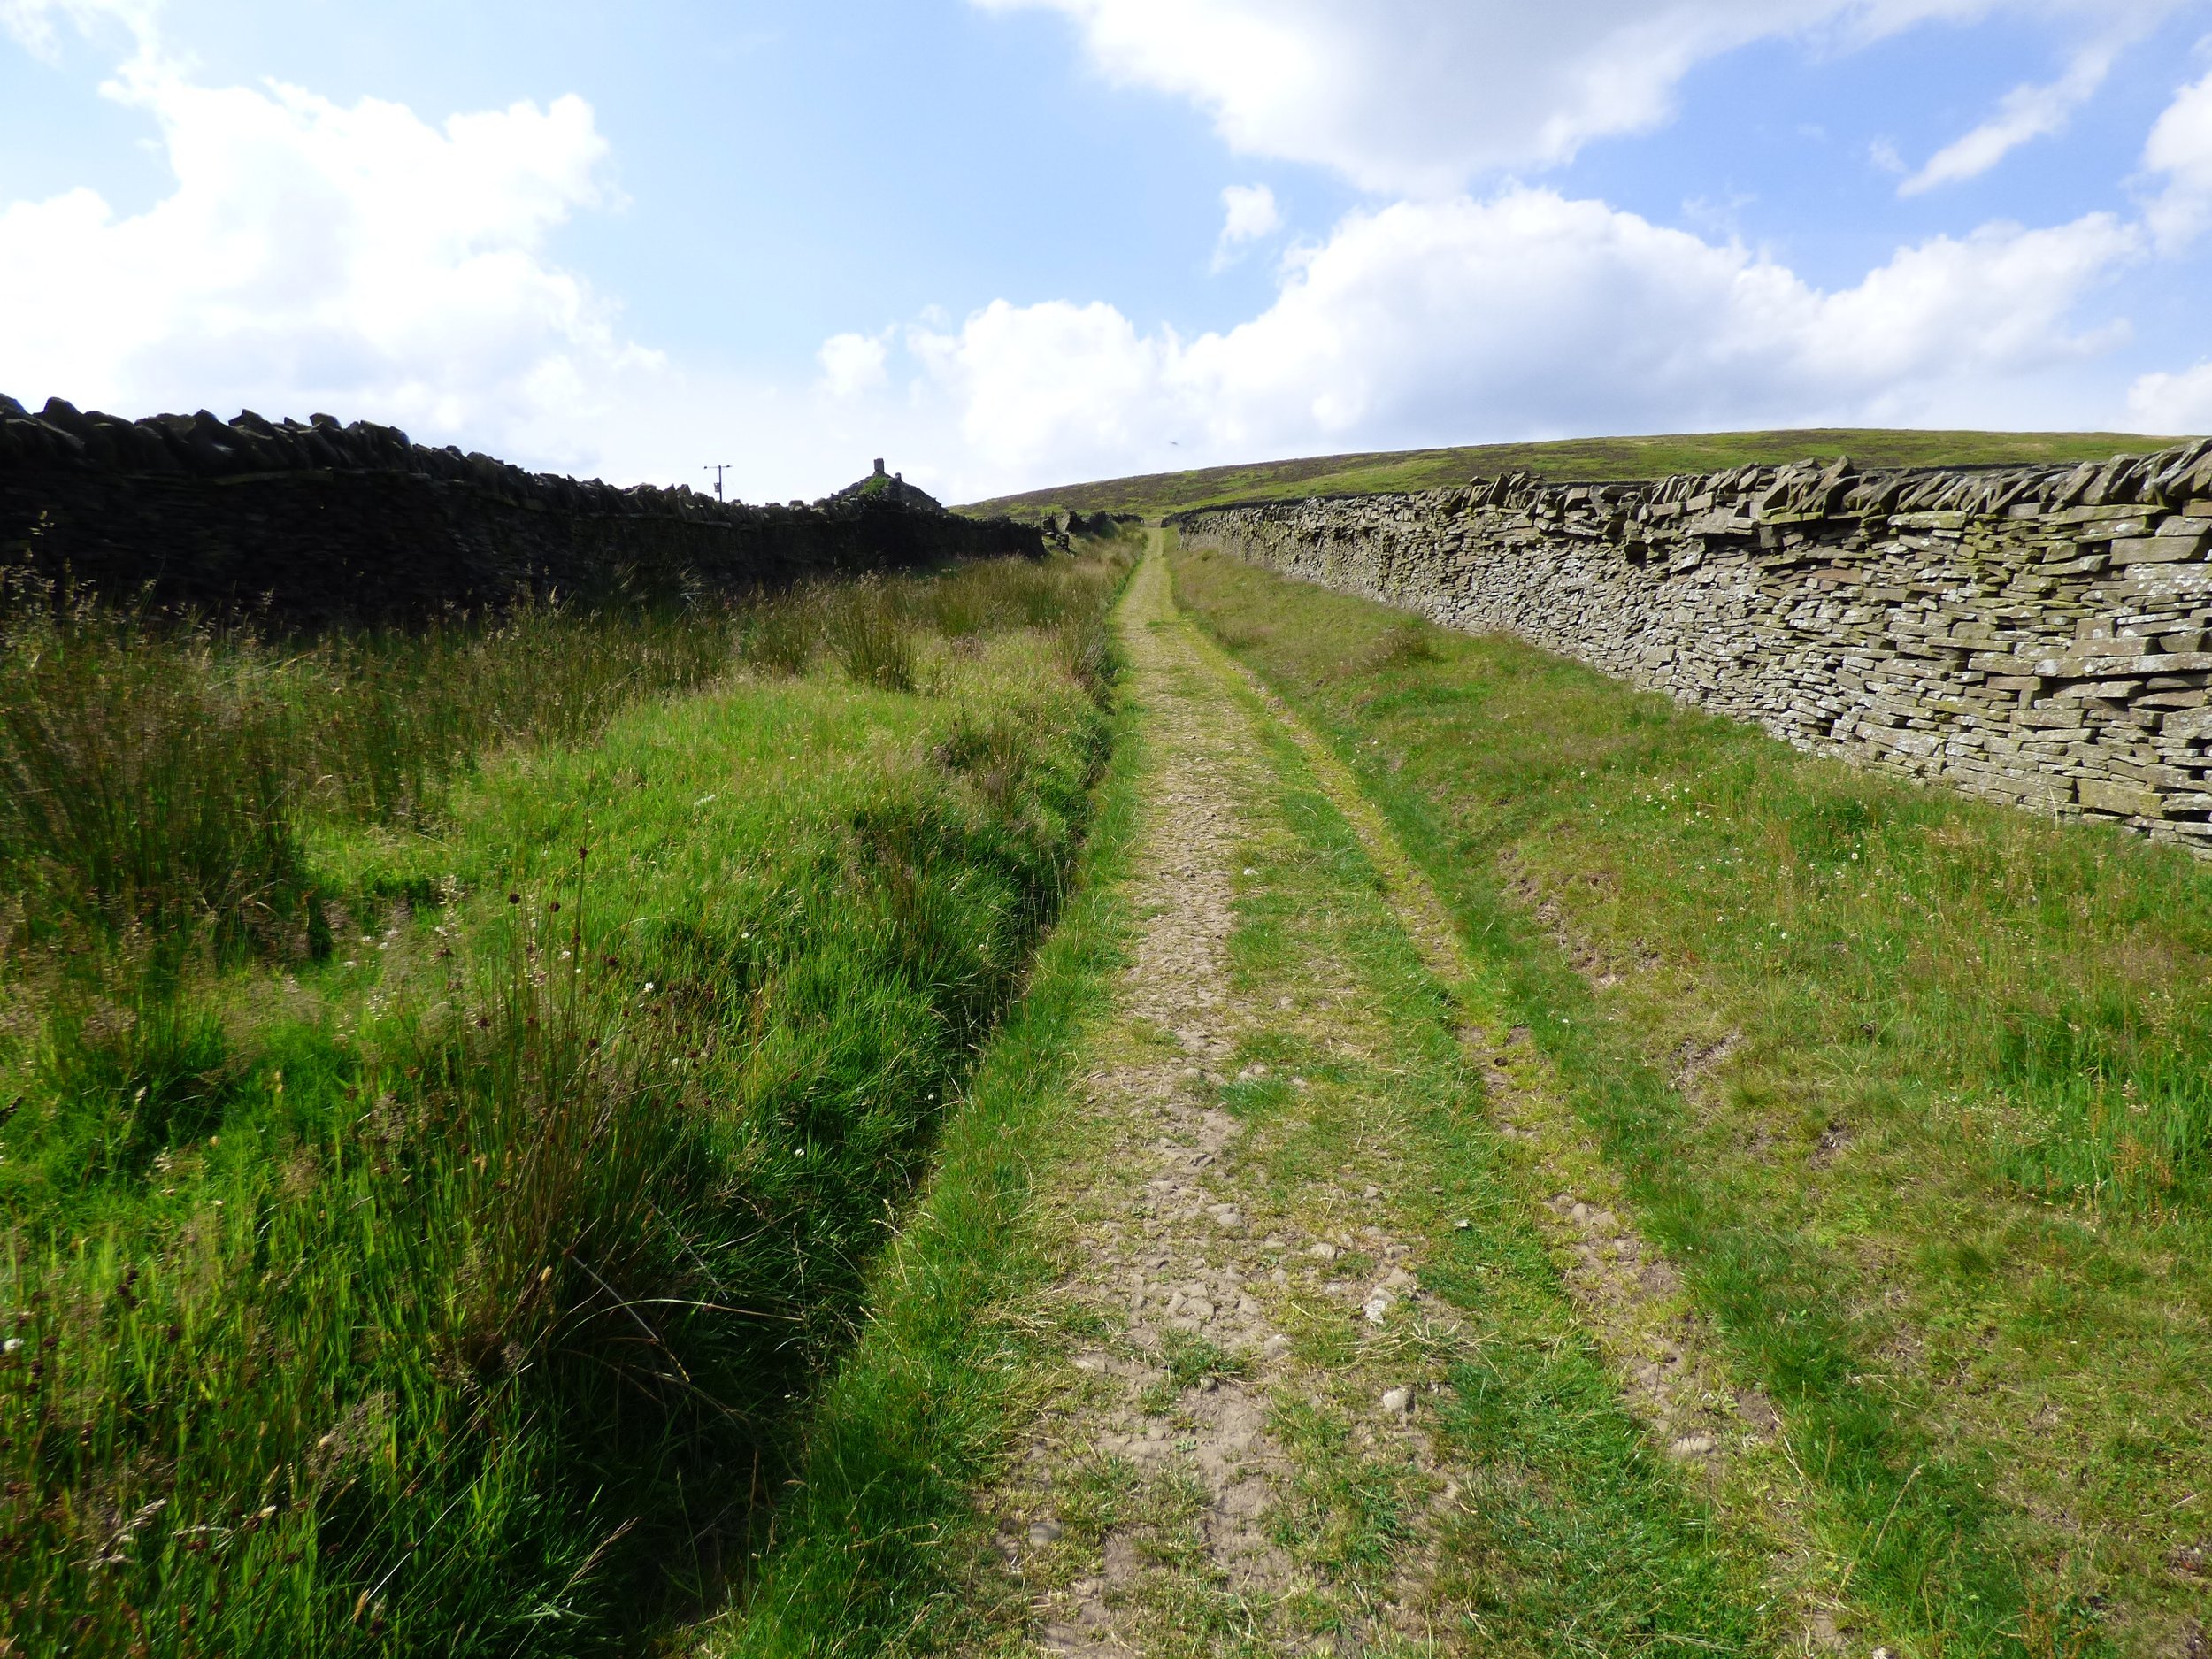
1909	1086
453	1288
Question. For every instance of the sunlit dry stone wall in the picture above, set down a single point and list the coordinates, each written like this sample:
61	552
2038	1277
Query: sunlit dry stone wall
315	522
2033	635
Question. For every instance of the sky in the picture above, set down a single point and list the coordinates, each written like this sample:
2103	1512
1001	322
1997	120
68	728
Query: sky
1009	243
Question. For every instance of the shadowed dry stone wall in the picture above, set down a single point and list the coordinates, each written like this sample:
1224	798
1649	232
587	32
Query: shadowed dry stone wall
2037	635
314	523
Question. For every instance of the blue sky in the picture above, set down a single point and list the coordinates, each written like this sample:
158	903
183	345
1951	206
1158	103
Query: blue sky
1009	243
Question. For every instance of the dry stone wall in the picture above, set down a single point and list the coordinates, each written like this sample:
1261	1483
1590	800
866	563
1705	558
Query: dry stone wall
315	522
2037	636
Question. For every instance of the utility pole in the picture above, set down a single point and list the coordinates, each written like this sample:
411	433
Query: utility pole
717	468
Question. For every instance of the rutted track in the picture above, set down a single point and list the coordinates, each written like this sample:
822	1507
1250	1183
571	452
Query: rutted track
1257	1435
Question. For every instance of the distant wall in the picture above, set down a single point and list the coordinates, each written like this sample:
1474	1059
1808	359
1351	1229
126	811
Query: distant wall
318	523
2036	636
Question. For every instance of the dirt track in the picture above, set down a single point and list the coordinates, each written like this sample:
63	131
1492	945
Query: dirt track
1240	1450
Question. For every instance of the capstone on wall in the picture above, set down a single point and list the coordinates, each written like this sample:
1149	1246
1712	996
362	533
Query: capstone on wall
2037	636
311	524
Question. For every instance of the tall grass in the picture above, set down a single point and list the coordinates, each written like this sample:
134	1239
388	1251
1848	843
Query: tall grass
455	1293
155	771
869	627
140	780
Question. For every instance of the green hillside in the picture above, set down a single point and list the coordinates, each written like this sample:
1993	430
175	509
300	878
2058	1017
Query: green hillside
1567	458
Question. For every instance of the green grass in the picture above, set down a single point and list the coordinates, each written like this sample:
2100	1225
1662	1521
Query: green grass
879	1545
1567	459
157	776
1909	1086
1572	1534
449	1280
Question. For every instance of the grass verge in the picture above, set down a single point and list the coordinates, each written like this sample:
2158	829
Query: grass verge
1903	1081
881	1536
452	1286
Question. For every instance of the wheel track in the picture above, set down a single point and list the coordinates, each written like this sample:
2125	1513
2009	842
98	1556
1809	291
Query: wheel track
1664	1352
1138	1530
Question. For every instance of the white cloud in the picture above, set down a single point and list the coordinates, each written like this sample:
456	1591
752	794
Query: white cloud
1527	314
2024	114
32	23
1250	214
2180	154
2173	404
360	259
1042	389
1420	95
314	255
853	363
2180	147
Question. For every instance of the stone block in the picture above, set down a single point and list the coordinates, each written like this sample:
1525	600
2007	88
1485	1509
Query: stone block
2098	795
2109	521
2161	549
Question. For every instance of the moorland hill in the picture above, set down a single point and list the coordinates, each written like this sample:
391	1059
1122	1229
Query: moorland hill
1571	460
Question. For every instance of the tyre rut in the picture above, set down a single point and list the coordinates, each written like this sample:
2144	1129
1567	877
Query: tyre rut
1234	1354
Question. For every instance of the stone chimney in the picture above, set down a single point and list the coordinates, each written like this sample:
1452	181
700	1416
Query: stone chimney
879	466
